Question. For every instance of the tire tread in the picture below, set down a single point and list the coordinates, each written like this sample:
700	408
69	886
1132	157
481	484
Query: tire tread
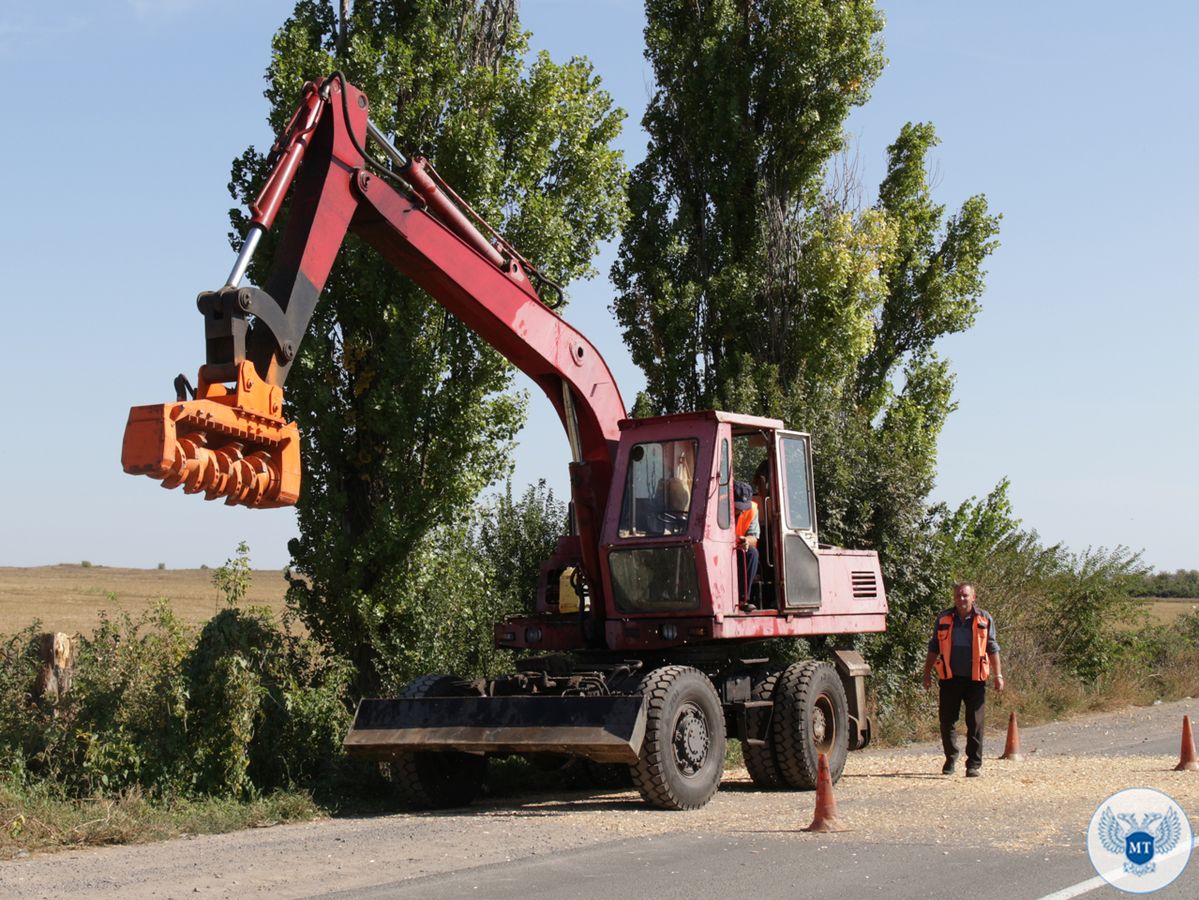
794	754
650	775
759	761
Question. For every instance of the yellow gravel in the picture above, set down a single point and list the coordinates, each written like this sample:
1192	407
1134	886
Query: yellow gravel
897	797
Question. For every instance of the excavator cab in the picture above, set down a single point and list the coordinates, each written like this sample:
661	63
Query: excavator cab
668	571
670	562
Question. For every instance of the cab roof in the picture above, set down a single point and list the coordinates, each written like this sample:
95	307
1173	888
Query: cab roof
709	415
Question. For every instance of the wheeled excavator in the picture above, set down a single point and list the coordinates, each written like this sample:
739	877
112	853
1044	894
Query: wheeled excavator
643	651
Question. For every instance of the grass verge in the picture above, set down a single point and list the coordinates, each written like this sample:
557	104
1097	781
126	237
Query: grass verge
34	819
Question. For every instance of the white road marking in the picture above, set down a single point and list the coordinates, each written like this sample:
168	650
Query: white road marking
1085	887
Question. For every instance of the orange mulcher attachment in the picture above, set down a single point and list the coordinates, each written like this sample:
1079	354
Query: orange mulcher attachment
231	441
226	443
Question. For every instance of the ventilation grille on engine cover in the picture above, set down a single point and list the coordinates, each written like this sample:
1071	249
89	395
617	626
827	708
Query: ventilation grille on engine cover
865	585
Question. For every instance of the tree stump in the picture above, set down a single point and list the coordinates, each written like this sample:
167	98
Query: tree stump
57	651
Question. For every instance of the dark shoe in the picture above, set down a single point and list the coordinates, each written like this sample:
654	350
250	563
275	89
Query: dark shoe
973	773
948	768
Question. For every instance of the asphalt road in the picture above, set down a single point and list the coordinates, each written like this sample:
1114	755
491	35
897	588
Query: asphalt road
766	865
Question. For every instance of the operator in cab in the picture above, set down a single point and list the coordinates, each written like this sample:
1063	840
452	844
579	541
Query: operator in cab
748	531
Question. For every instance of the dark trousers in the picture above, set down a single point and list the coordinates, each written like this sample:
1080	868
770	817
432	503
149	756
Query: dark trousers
747	570
955	692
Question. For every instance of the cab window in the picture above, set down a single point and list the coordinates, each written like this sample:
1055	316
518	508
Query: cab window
799	499
658	487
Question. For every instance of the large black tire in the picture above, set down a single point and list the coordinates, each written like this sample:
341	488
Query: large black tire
763	770
436	780
810	717
682	757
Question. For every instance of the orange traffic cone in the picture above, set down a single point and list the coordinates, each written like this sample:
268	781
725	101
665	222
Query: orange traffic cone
1186	760
826	807
1011	750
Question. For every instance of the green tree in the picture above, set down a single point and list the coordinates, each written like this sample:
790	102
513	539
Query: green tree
748	108
1057	611
515	537
471	576
406	414
750	277
1182	583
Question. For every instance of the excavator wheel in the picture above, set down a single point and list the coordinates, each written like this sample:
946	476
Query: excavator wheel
682	756
810	717
436	779
759	760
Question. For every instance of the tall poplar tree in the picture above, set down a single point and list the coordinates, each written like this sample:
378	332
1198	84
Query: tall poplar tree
405	413
751	277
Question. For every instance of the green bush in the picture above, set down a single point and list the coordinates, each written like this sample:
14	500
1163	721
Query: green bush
22	722
242	708
1053	608
266	709
124	721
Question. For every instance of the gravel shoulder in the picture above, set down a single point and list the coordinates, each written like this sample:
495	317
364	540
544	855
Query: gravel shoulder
892	796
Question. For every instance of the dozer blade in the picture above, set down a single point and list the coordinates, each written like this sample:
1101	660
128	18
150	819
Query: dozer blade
231	446
603	729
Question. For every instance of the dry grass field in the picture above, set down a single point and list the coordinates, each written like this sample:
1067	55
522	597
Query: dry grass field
68	597
1167	611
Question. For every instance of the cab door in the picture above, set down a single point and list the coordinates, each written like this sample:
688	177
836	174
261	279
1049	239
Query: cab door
799	567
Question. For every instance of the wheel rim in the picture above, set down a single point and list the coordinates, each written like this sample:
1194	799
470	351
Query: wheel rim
691	739
824	724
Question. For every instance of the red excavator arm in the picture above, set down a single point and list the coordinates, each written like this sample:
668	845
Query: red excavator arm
232	442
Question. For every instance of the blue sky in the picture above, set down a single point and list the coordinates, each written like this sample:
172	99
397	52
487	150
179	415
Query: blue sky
1078	382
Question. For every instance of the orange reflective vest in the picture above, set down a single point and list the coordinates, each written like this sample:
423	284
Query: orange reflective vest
745	518
980	663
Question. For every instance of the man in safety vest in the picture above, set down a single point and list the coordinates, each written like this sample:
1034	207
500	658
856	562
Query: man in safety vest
747	537
964	652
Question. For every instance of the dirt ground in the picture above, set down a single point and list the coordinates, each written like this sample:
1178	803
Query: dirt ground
67	597
894	797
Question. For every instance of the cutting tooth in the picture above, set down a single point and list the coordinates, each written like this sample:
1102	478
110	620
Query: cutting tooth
199	461
174	476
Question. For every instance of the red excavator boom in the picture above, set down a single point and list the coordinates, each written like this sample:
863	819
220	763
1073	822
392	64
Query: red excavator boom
231	441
